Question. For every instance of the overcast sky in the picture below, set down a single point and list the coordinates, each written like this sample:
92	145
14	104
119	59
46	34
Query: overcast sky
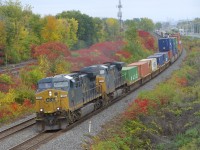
158	10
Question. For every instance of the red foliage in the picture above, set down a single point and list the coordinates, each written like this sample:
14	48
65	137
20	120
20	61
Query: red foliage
1	61
142	104
138	107
124	53
147	40
27	103
96	54
51	49
1	54
14	106
4	113
4	87
33	87
143	33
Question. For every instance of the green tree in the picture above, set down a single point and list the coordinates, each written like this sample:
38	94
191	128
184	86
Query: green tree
112	28
18	36
99	35
146	24
2	34
86	28
67	29
158	25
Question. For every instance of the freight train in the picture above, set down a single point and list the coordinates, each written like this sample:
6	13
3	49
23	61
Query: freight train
65	98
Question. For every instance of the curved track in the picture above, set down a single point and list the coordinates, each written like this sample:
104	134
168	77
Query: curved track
14	68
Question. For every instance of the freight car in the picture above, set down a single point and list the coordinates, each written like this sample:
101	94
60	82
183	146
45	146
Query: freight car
64	99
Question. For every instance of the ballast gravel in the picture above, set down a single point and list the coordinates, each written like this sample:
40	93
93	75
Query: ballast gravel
73	139
20	137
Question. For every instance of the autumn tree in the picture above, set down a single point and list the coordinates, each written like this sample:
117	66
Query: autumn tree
67	29
100	34
133	45
86	28
52	57
18	36
112	28
50	29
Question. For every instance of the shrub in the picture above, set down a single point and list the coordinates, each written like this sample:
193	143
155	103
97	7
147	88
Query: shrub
23	93
31	77
9	97
4	78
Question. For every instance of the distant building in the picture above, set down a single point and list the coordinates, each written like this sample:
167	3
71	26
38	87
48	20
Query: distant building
181	31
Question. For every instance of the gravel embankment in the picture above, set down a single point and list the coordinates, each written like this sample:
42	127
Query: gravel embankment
73	139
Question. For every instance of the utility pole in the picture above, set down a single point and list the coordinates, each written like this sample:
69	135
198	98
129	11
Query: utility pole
119	14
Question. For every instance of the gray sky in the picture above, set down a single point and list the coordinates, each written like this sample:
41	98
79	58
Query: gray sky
158	10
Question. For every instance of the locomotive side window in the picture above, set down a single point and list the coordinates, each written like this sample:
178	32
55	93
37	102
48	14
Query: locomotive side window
61	84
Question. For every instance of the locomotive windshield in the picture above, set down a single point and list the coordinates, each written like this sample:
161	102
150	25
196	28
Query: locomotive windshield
46	85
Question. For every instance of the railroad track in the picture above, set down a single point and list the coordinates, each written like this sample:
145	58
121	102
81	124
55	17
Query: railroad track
14	68
13	130
44	137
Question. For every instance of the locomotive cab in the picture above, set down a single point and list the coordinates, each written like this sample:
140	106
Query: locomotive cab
52	102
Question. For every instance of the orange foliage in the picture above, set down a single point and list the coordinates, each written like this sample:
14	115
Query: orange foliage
14	106
182	81
27	103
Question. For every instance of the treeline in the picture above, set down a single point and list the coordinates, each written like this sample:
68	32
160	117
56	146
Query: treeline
21	29
190	26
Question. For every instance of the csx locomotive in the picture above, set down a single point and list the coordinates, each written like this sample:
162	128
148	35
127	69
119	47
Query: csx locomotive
64	99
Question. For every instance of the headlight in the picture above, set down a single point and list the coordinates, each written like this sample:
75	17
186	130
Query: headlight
58	108
50	93
101	81
38	98
41	109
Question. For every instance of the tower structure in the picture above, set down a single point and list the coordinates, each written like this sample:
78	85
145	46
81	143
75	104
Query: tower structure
119	14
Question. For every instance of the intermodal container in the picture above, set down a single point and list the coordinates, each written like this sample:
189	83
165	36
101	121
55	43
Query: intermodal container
153	63
174	46
130	74
159	58
165	55
170	55
164	44
177	35
143	68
